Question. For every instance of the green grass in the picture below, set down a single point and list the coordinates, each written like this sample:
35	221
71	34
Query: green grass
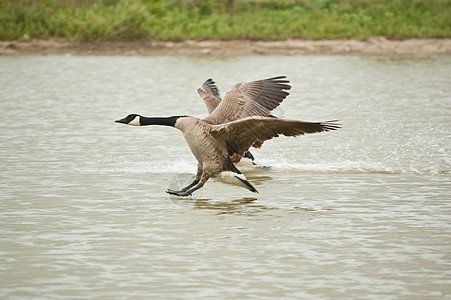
88	20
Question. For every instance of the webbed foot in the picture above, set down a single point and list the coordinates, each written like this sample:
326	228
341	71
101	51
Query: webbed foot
181	193
185	192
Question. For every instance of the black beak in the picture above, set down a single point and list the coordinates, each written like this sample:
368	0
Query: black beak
121	121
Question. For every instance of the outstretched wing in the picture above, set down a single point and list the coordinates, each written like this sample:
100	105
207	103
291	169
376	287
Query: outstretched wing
256	98
241	134
210	94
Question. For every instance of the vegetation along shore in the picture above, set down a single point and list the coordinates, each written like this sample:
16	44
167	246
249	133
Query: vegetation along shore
257	26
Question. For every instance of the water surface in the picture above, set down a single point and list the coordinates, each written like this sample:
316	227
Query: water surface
363	212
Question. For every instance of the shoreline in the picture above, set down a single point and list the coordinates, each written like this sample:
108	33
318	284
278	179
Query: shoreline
378	46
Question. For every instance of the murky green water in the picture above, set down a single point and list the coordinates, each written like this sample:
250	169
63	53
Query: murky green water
362	213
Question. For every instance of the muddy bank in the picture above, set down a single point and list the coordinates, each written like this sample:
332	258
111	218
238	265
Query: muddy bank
374	46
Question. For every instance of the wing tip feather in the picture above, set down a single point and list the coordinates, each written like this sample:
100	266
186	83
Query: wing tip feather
330	125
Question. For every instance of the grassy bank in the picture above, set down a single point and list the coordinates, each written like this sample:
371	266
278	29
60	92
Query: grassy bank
231	19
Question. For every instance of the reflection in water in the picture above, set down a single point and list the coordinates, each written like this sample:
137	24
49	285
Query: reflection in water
361	213
239	206
258	179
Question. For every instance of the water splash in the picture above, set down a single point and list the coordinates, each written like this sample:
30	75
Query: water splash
188	165
355	166
133	165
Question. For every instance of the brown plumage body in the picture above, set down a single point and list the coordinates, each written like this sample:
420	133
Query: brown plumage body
209	152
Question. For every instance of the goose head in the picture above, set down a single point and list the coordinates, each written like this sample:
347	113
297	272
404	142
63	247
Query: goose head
132	119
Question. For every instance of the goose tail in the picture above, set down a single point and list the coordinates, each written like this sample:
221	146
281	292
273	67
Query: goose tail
231	175
233	178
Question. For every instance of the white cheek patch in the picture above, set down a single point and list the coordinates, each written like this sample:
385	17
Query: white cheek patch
135	122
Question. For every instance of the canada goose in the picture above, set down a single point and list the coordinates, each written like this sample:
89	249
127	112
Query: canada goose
231	129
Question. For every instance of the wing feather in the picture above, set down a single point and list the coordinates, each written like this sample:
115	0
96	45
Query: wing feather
240	135
209	92
256	98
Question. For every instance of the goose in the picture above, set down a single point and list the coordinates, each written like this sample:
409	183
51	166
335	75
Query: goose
239	121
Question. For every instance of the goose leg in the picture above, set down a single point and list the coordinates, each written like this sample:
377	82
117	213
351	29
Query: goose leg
174	192
199	182
196	181
189	190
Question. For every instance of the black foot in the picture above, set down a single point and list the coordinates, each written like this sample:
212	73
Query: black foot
186	192
181	193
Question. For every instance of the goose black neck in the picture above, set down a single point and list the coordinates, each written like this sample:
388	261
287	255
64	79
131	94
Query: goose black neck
166	121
